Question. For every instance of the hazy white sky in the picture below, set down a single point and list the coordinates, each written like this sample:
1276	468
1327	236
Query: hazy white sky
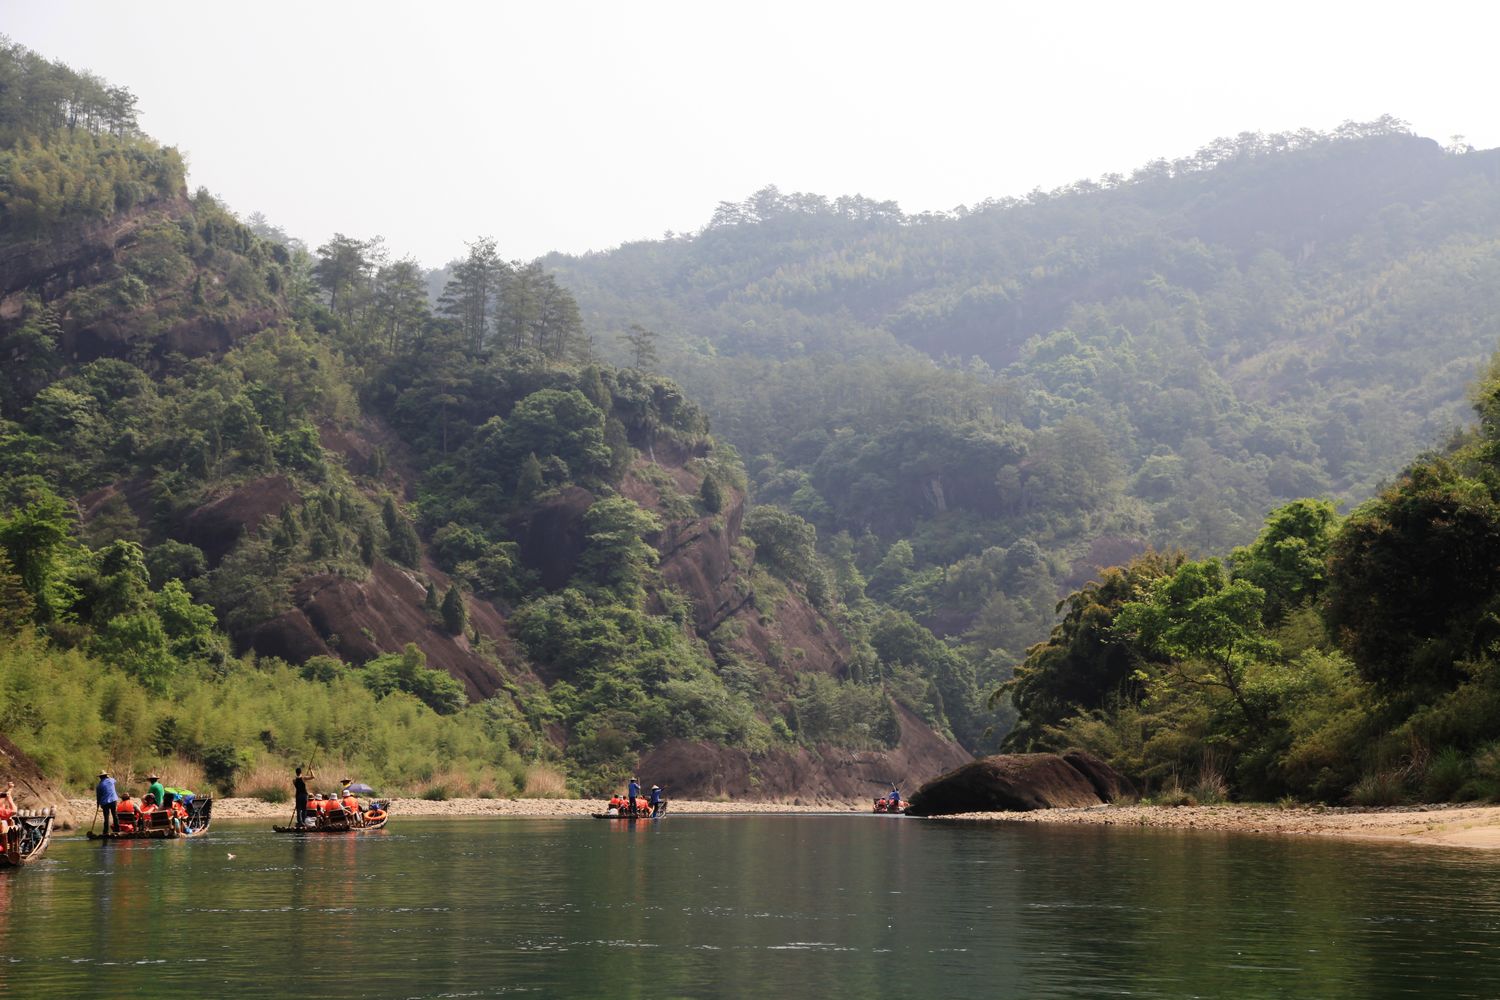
577	126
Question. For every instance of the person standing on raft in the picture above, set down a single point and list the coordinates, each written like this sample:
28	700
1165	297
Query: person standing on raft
108	800
654	800
635	790
299	795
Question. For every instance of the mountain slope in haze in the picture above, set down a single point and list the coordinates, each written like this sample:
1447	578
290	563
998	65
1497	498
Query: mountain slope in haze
994	403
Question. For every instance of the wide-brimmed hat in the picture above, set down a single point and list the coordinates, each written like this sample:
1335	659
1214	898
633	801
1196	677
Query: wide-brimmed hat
103	774
656	788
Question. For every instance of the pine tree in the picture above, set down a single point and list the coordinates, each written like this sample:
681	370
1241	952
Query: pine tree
455	616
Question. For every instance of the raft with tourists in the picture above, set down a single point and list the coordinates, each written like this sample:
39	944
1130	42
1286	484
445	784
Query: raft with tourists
342	813
181	815
633	805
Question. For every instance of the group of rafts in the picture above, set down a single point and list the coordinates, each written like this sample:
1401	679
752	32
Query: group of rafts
25	833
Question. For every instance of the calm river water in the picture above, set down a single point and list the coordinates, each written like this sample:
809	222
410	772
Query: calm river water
794	906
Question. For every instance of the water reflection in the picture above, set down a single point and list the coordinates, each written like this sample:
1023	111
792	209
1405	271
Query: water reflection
695	906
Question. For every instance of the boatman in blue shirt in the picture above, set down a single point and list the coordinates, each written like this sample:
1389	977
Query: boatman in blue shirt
654	801
895	799
109	801
635	789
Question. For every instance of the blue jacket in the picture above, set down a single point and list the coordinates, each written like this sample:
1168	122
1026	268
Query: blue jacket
104	794
634	790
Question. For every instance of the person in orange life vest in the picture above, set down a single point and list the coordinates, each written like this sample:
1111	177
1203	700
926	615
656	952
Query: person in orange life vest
179	813
7	810
127	812
351	805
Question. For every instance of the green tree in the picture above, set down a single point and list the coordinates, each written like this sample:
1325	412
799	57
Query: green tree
455	616
1210	627
617	557
641	344
1288	560
1413	578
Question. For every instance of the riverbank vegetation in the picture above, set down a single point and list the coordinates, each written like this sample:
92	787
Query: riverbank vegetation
1335	658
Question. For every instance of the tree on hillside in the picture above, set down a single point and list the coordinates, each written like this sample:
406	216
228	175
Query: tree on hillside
470	296
455	615
343	269
400	302
642	345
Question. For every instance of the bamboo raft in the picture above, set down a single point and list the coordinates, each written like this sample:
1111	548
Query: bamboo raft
33	831
158	825
372	819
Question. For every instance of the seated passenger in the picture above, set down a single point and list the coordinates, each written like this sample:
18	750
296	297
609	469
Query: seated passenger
127	812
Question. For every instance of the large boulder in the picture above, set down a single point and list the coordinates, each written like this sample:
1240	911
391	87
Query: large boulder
1020	783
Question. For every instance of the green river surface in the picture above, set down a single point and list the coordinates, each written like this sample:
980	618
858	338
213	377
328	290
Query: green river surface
797	906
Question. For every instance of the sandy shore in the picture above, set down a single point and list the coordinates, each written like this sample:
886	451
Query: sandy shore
1435	825
236	808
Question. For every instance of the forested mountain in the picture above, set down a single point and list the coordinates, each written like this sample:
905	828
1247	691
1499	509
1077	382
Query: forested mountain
984	407
771	507
262	504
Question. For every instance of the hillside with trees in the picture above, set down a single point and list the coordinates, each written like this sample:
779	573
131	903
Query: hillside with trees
264	504
980	410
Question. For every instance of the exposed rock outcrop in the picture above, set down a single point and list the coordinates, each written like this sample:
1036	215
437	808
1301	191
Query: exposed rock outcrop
216	526
1020	783
359	620
697	770
33	790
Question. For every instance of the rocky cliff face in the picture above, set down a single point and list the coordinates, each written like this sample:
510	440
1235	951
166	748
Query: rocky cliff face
33	791
696	770
359	620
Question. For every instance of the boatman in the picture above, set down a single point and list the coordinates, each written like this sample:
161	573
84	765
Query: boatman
109	801
635	790
894	798
654	799
156	787
299	791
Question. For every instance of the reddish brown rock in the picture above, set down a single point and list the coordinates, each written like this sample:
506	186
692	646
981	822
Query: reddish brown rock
33	790
359	620
216	526
1015	783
